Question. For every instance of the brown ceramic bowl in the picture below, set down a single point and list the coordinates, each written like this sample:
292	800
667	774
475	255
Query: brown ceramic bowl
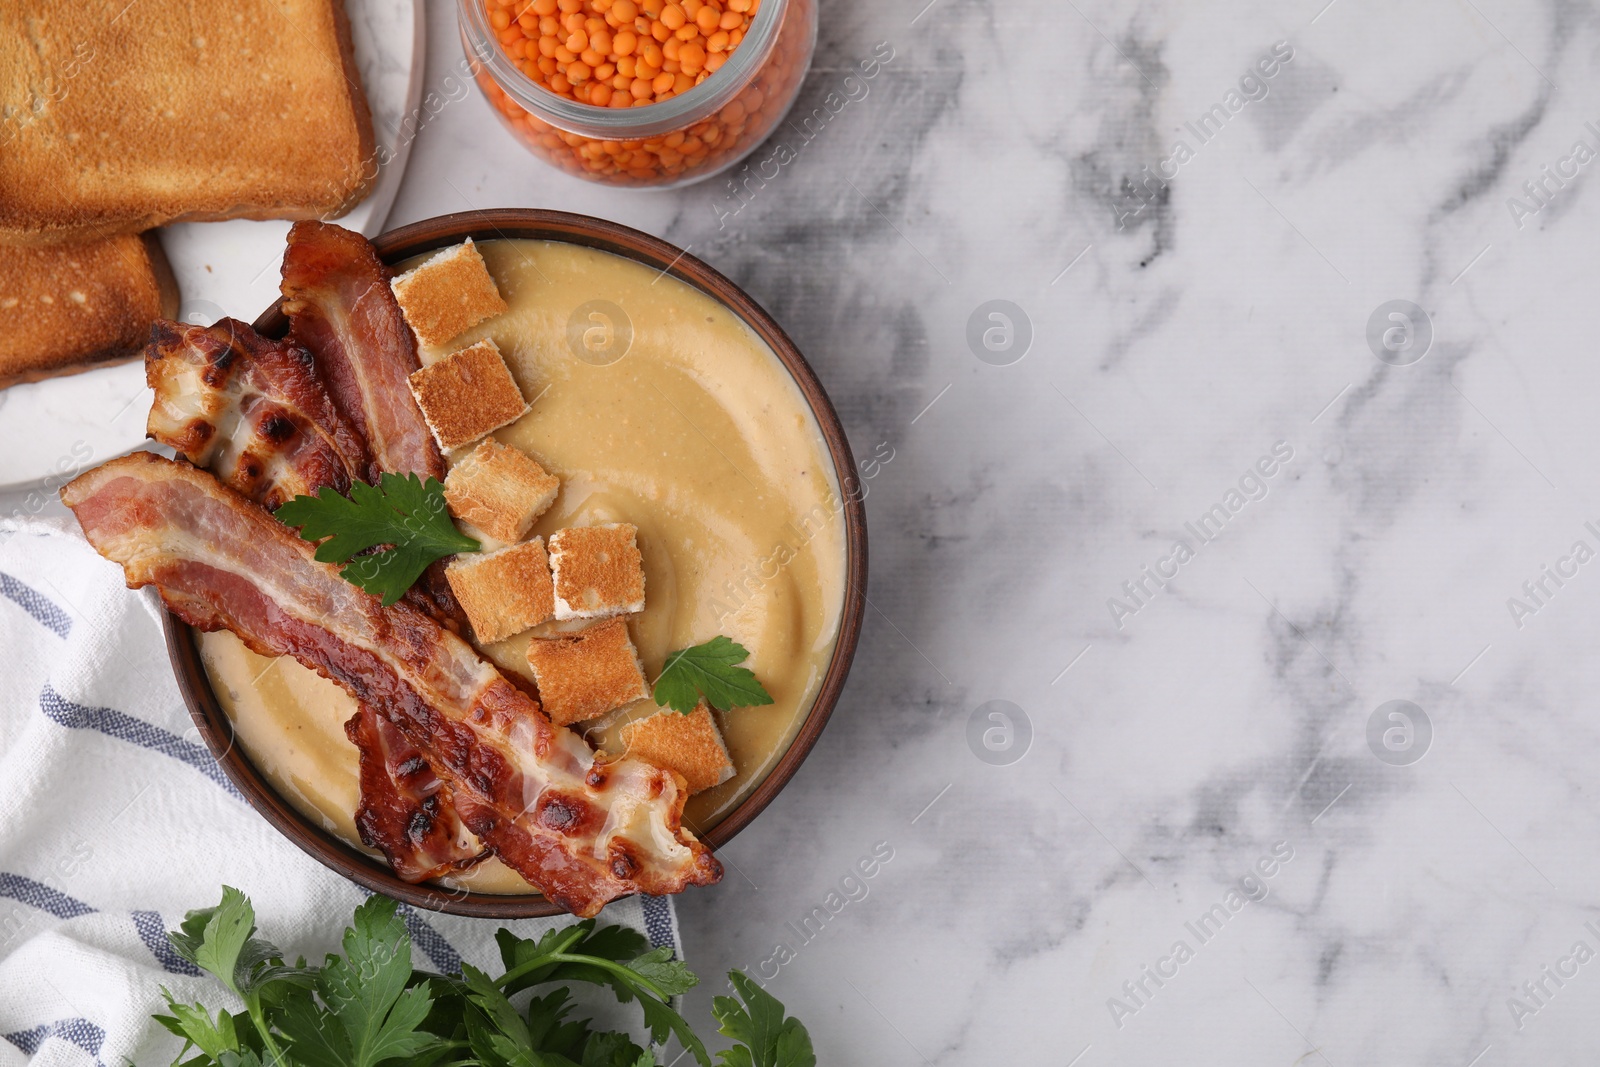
397	245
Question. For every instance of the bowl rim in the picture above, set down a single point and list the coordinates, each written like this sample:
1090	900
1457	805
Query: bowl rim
539	224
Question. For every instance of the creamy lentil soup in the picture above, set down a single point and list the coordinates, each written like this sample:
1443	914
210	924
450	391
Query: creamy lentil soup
699	437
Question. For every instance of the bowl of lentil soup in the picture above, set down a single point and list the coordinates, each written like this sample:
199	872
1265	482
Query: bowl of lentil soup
640	93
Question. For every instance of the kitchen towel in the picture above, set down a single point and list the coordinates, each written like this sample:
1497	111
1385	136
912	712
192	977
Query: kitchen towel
116	821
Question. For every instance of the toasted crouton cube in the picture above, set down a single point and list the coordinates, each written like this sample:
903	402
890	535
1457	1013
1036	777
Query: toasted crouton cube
448	293
500	490
467	394
503	592
689	744
598	571
586	673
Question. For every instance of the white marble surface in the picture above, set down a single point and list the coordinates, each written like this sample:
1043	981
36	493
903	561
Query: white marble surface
1231	712
1170	352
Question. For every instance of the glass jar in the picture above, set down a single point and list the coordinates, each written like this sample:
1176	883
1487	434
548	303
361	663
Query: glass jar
689	136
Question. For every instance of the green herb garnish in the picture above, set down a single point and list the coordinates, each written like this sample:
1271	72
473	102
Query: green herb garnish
766	1038
222	941
709	670
369	1007
365	1009
402	512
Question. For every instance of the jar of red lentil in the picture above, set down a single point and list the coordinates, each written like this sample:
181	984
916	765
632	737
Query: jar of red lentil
646	93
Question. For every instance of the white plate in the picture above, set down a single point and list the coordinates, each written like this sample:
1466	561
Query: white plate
62	425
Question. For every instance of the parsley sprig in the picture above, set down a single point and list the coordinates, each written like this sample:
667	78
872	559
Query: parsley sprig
766	1038
369	1007
711	670
403	513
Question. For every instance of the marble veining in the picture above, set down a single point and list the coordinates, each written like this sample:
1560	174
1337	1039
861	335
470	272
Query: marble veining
1182	328
1218	765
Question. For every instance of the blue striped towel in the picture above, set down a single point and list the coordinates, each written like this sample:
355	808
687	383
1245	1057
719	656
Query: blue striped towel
116	821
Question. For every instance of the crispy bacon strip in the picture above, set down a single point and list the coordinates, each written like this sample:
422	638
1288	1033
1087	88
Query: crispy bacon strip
337	297
406	809
250	409
254	412
336	294
583	831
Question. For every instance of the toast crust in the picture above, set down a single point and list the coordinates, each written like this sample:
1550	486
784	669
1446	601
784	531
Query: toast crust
503	592
449	293
179	112
65	309
689	744
599	571
586	673
499	490
467	395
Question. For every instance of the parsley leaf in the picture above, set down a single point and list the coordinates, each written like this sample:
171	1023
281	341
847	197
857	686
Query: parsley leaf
710	670
579	953
766	1038
194	1024
529	963
499	1037
369	1008
247	1058
368	1013
497	1034
222	940
402	512
608	1049
665	974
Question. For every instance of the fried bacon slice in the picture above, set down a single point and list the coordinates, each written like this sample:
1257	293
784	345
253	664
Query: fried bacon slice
406	810
583	831
251	410
336	294
254	412
337	297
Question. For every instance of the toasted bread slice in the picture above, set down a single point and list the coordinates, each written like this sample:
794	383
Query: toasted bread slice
500	490
503	592
116	117
467	395
689	744
448	293
586	673
598	571
67	308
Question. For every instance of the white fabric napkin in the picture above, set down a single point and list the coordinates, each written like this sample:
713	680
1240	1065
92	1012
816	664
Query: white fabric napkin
115	821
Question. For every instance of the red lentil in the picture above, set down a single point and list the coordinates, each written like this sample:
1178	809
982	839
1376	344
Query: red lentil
636	53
